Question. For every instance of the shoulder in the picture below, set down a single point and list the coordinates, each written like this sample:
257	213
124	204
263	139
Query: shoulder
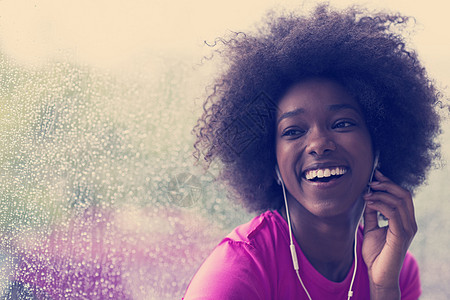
237	268
258	230
410	279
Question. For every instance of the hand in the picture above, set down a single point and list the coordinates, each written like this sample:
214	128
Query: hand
384	249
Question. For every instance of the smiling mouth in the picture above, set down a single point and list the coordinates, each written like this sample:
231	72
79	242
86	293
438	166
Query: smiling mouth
324	174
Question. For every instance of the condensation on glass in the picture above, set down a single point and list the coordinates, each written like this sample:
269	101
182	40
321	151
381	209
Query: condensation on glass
99	196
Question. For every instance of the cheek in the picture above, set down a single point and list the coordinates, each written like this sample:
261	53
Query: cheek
286	150
362	149
360	140
287	154
281	149
359	146
282	155
366	145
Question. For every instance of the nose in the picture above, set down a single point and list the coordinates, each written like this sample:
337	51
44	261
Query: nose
319	143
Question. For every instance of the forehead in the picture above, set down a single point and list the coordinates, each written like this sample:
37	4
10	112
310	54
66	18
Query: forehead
316	94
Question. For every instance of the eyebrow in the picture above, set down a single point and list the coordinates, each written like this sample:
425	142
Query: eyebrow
290	114
334	107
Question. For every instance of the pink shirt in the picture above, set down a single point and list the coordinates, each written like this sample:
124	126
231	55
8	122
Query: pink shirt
254	262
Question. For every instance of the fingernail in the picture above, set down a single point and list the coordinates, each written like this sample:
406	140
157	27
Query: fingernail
374	183
370	202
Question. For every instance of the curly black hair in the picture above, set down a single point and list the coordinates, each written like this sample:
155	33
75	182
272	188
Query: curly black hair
362	51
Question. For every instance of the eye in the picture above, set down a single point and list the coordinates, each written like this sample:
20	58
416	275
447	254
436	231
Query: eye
293	132
343	124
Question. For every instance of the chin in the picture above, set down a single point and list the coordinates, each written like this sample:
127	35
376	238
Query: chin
332	207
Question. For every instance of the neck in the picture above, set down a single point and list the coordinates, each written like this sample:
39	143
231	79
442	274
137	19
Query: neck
327	242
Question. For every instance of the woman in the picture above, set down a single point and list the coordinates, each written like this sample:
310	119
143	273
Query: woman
299	120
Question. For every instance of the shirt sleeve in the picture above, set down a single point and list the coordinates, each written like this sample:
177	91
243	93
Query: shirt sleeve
410	279
233	271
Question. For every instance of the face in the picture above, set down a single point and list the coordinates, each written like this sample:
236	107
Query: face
323	147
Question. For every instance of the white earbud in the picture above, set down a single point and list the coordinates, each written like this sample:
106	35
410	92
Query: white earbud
374	167
279	179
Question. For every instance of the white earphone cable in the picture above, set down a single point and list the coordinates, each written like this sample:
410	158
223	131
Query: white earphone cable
294	253
350	291
291	245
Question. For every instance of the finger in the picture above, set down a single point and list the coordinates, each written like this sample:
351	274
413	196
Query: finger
392	202
401	231
385	184
370	219
390	187
380	176
395	223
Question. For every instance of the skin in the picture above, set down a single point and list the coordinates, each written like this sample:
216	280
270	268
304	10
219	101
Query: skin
320	125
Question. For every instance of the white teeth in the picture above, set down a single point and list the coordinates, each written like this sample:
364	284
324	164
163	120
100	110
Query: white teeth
320	173
325	172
